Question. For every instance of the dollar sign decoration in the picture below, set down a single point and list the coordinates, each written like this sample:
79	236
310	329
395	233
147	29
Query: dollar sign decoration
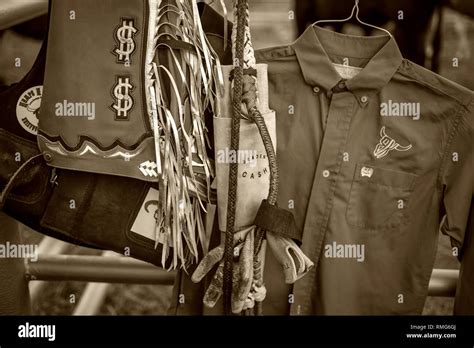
124	36
123	99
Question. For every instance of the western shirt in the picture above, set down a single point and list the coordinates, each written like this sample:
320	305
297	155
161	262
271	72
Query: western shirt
368	165
375	157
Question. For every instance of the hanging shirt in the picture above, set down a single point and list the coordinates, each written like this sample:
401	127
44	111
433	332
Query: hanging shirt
373	150
369	164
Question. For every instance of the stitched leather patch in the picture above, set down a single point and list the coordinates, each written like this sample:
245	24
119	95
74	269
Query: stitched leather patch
277	220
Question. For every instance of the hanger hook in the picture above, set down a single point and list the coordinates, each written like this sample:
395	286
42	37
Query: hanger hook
355	9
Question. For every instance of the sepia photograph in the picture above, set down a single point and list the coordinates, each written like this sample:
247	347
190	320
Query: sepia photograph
171	165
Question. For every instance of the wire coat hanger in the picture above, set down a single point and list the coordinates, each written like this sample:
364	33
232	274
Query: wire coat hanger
356	10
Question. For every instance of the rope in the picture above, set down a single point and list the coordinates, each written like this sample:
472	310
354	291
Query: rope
234	144
251	101
244	62
257	117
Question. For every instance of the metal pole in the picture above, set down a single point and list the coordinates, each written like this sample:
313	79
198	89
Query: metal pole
130	271
97	269
52	246
14	293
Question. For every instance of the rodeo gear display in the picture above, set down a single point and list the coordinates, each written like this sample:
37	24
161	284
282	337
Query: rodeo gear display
241	133
311	178
74	202
371	156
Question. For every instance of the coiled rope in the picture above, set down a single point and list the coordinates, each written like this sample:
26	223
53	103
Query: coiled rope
244	60
238	41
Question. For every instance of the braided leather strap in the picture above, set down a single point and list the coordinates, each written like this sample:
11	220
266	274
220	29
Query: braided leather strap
234	144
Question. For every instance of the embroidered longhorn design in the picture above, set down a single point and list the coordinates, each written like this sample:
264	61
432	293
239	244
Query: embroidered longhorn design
387	144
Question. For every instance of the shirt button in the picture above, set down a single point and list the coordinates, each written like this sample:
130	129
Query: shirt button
316	89
341	85
326	173
364	99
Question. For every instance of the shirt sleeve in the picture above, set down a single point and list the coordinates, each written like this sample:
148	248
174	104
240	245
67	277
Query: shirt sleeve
457	179
458	189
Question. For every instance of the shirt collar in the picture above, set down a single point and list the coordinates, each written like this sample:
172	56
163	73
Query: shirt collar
379	54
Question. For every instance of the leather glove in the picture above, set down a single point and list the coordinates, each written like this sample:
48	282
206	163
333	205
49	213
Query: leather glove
258	291
294	262
242	270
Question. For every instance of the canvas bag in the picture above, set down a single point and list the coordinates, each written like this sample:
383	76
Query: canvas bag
254	172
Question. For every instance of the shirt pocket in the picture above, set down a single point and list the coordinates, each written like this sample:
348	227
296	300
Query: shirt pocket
379	198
